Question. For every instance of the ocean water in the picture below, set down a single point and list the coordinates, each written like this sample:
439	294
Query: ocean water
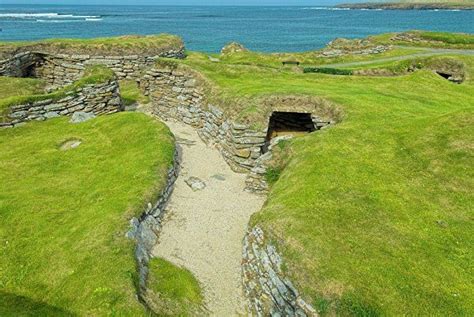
269	29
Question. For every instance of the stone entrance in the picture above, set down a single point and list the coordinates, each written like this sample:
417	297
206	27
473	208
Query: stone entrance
451	77
288	123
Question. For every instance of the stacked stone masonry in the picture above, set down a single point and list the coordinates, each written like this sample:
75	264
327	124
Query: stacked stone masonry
59	70
145	230
19	65
268	291
176	95
98	99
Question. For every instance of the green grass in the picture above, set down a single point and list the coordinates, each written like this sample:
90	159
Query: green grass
131	93
310	58
438	39
373	215
92	75
331	71
122	45
176	290
449	38
63	249
11	86
447	64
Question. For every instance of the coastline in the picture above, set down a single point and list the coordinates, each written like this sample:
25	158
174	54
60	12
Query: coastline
407	6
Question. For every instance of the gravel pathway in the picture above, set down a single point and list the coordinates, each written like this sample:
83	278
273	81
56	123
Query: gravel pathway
203	228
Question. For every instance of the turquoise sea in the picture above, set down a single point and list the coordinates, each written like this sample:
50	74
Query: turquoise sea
207	29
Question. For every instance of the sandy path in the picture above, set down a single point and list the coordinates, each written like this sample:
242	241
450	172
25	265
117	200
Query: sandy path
203	230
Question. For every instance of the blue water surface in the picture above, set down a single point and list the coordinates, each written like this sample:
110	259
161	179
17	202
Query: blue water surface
269	29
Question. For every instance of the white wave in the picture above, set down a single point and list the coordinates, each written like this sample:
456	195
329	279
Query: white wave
86	16
46	16
93	19
315	8
28	15
58	21
327	8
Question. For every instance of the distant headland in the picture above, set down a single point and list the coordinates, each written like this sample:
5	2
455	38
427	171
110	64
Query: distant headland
411	5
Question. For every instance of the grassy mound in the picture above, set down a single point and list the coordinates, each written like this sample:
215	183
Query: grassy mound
373	215
173	291
11	87
148	45
427	39
65	213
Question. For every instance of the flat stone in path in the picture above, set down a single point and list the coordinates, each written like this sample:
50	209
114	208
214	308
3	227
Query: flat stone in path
203	230
219	177
195	183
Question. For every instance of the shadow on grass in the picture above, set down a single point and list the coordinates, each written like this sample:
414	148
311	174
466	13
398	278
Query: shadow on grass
16	305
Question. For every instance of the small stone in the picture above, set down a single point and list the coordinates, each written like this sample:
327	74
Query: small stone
244	153
51	114
81	116
442	223
70	144
214	59
219	177
195	183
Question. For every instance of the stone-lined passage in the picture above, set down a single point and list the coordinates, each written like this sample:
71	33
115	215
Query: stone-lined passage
145	229
269	292
204	226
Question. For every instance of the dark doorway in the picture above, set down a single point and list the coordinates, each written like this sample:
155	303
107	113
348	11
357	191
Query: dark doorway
30	71
451	77
444	75
288	123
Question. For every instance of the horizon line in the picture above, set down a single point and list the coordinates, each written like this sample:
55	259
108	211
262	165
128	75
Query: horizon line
173	5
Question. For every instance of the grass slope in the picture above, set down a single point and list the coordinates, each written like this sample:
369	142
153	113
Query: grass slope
374	215
64	214
175	291
11	86
429	39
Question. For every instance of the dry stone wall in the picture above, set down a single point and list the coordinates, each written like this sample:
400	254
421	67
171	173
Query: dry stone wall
19	65
145	229
98	99
269	292
176	95
61	69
